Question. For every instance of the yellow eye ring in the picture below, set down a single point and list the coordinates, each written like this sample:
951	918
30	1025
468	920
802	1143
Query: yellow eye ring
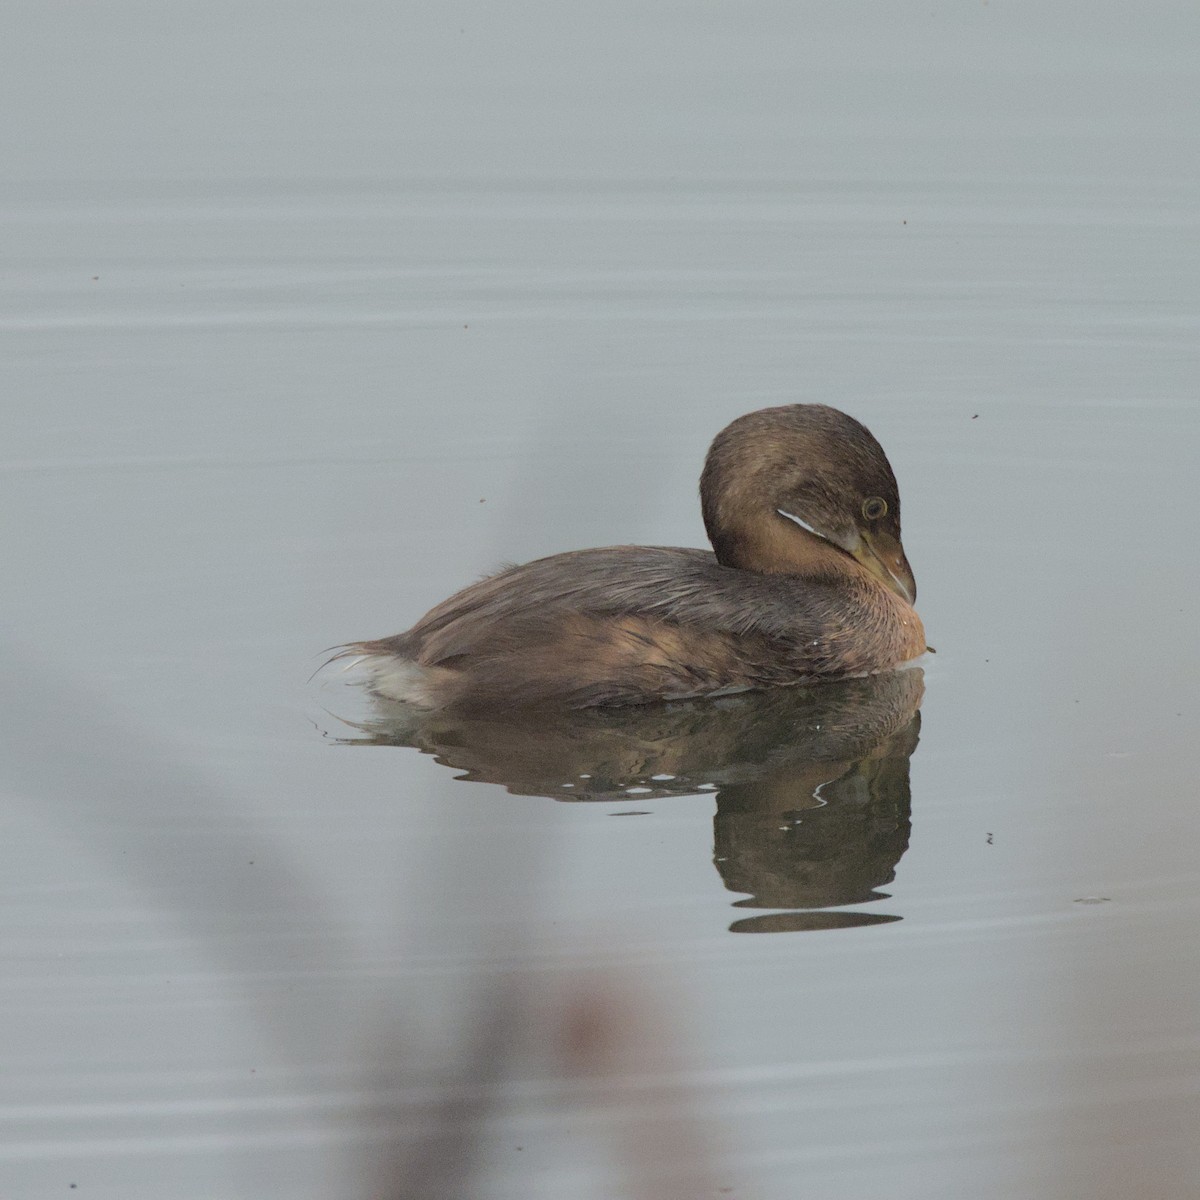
874	507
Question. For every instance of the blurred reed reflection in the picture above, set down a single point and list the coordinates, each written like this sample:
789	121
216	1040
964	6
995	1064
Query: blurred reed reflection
811	784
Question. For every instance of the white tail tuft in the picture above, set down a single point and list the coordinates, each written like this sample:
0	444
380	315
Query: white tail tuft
396	678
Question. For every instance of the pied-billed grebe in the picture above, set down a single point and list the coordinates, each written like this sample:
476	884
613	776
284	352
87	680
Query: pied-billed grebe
807	582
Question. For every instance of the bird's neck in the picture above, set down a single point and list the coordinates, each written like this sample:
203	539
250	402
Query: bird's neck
777	546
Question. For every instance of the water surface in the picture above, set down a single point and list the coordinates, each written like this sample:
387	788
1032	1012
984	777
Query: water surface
310	321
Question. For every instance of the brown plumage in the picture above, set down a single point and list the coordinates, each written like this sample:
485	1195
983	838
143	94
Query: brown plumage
808	582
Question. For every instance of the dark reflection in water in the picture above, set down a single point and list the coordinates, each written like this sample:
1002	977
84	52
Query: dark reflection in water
812	784
801	922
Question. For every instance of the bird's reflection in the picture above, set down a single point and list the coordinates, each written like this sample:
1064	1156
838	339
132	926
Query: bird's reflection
811	784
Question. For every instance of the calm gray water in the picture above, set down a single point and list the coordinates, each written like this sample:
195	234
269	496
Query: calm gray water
310	317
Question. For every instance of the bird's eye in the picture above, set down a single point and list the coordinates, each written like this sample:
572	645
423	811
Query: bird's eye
874	507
